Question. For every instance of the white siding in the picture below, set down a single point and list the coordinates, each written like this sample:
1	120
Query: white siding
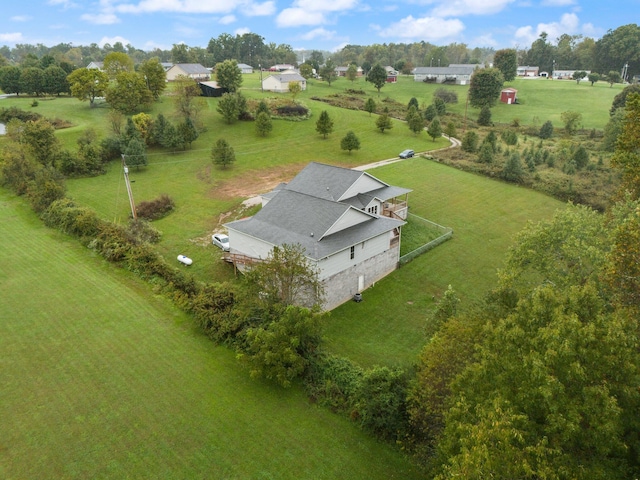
363	185
363	251
350	218
244	244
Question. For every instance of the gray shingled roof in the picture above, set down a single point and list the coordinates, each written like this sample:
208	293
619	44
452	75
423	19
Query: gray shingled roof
303	210
295	218
326	181
192	68
289	77
445	70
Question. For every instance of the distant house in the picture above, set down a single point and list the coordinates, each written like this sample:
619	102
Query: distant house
191	70
95	65
342	71
392	74
456	75
565	74
244	68
347	221
280	82
527	71
211	89
166	65
281	67
508	96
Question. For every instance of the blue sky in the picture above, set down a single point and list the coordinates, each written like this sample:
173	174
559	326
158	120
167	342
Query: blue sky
309	24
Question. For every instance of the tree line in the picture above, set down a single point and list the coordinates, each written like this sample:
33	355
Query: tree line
617	48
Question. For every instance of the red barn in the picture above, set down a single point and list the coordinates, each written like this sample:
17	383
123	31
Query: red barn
508	95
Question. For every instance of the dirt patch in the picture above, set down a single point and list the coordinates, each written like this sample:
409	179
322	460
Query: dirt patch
254	182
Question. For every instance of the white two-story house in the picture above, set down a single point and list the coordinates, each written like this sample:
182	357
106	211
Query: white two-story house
347	221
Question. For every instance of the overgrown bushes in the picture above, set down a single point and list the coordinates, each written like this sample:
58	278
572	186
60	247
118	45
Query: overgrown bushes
155	209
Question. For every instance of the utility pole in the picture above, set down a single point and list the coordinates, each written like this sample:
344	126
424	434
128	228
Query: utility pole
129	192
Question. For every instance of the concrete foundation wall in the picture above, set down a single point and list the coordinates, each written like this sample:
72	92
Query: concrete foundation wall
342	286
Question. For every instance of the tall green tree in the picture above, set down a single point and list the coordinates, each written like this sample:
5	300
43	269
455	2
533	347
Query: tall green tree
188	132
154	74
187	95
229	75
223	154
435	129
264	125
328	72
87	84
352	72
10	79
324	125
377	76
40	139
383	122
116	63
32	80
128	93
228	107
414	120
627	156
485	87
55	81
571	121
506	60
350	142
370	105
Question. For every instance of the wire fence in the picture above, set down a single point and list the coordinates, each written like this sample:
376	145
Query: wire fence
447	233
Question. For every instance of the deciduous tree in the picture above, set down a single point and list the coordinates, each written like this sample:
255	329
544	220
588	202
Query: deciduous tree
383	122
377	76
435	129
414	120
506	61
88	84
485	87
229	75
155	76
129	93
264	125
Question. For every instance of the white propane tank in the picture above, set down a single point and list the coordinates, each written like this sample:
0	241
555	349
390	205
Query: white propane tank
185	260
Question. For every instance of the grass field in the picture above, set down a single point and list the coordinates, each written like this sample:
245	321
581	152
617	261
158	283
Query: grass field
101	379
484	214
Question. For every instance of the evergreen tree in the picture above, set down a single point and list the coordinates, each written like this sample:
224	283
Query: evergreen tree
263	124
370	105
414	120
435	129
512	171
470	142
324	125
350	142
383	122
430	112
222	153
546	130
484	118
485	155
188	132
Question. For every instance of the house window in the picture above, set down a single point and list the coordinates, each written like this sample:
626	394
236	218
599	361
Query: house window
353	252
373	209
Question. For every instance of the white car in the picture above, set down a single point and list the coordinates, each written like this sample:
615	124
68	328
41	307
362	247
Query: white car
220	240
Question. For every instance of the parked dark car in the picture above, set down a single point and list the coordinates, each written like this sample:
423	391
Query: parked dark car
407	154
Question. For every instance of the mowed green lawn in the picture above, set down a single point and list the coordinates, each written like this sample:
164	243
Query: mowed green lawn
386	328
101	379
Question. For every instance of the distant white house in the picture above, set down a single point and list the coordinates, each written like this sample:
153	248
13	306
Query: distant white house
347	221
527	71
342	71
456	75
244	68
565	74
281	67
191	70
95	65
280	82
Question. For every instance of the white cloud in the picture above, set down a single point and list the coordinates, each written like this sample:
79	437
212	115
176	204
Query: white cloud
425	28
181	6
457	8
112	40
569	24
319	33
259	9
227	19
64	3
242	31
295	17
21	18
100	18
11	37
326	6
557	3
485	41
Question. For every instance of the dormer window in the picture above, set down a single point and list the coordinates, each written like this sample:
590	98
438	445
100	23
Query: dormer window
373	209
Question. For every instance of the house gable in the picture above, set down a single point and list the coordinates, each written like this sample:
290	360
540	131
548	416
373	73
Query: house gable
349	218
